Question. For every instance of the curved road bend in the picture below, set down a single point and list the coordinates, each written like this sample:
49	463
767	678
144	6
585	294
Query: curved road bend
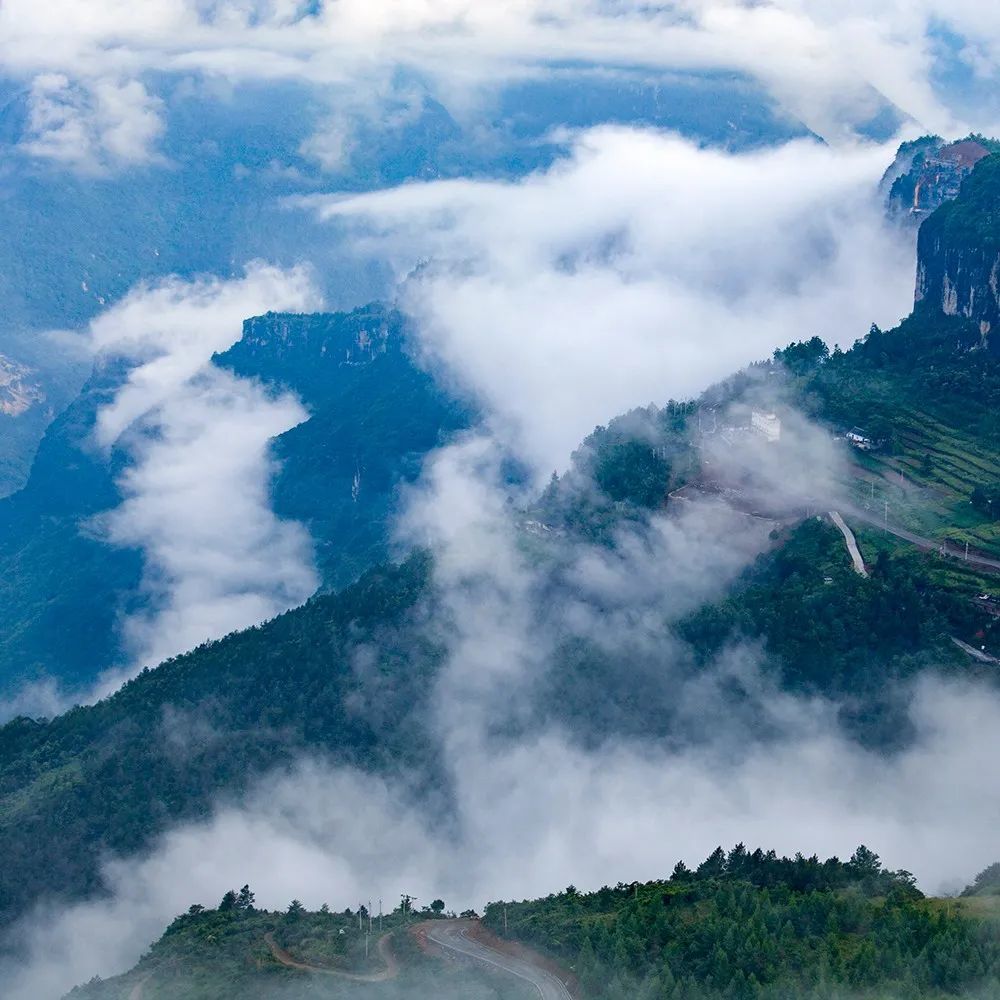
453	935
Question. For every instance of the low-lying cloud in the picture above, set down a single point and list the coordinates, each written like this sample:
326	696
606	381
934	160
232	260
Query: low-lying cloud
641	268
526	814
831	66
196	492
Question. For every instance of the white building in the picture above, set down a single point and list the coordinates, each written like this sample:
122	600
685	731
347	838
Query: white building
859	439
767	425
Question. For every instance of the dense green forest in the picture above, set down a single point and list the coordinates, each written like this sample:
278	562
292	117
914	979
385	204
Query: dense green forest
742	925
753	926
828	630
373	416
971	221
108	777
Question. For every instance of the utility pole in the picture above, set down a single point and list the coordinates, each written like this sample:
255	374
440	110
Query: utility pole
369	916
361	907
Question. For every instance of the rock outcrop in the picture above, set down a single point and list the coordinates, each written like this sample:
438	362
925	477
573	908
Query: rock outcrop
958	254
928	172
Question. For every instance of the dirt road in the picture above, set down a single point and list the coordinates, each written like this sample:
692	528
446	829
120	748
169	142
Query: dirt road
453	936
390	971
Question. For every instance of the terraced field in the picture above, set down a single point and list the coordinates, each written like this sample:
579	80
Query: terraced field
927	482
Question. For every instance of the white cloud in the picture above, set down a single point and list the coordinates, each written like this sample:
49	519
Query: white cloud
197	492
102	125
641	268
820	60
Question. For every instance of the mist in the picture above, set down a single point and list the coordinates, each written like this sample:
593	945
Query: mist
196	494
642	267
529	801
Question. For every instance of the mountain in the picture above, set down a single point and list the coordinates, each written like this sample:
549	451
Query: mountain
216	194
374	414
32	393
347	678
221	716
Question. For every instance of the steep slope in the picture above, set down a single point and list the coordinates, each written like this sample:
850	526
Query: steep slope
111	776
958	254
63	591
928	172
347	677
374	415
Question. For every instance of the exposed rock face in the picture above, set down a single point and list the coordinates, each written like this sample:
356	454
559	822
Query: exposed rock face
928	173
958	255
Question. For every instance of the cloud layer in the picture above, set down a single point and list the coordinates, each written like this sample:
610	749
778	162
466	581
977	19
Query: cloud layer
832	66
527	815
640	268
197	490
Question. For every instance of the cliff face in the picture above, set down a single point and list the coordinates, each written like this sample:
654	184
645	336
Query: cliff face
958	254
929	172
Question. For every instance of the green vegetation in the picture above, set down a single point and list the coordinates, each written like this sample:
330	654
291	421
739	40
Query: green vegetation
930	404
829	628
622	472
374	416
753	926
972	220
238	952
110	776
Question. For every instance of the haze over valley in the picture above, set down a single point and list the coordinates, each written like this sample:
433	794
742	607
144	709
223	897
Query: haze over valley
499	500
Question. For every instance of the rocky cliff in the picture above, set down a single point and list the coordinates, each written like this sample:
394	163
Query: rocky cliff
958	254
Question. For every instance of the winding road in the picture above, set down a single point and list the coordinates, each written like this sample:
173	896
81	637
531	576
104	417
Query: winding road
385	951
928	544
453	936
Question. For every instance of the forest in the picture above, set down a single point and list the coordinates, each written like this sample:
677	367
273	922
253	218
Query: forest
749	925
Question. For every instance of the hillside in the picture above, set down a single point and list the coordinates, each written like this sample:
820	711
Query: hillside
743	925
94	780
749	926
958	251
237	951
374	415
